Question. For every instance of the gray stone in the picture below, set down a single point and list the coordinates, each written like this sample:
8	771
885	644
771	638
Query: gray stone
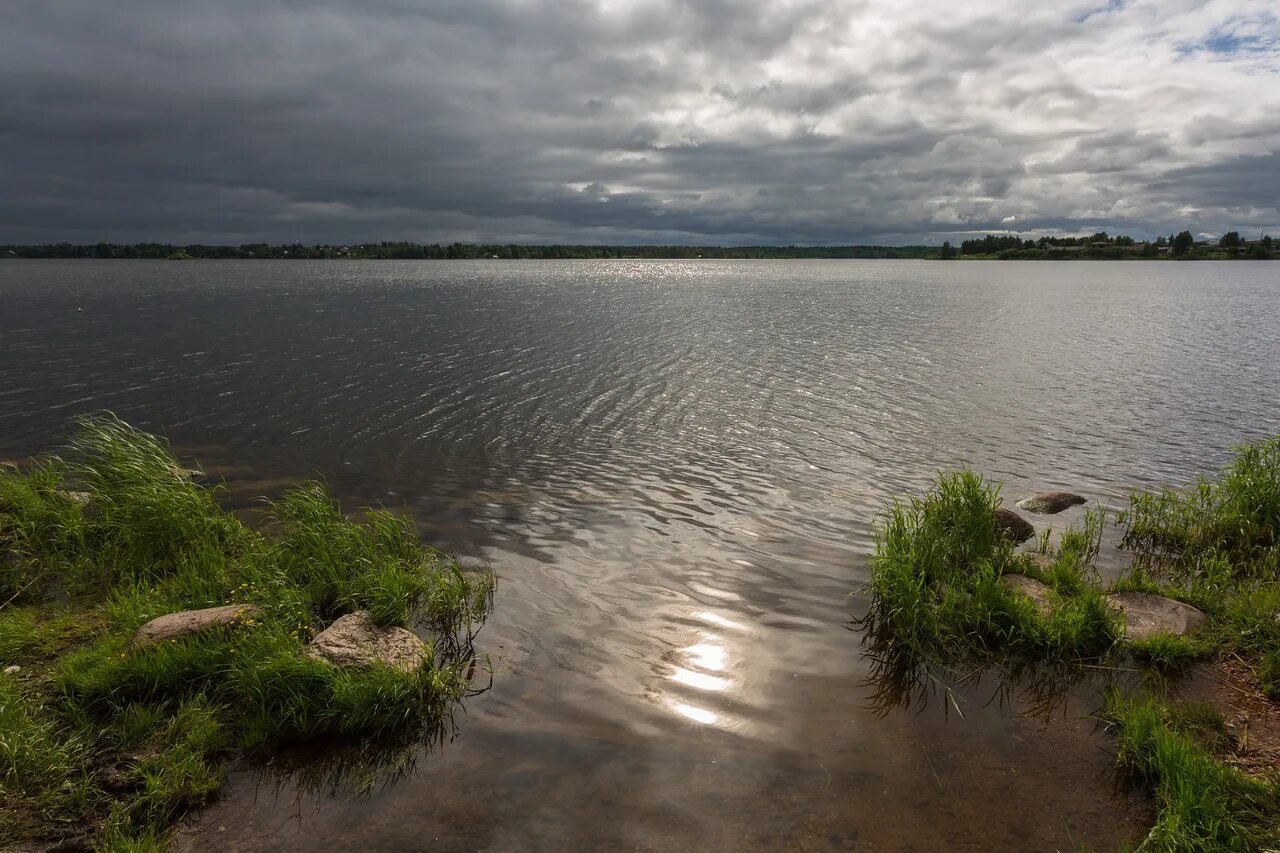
354	640
1043	562
174	625
1040	594
80	498
1047	503
1014	526
1146	615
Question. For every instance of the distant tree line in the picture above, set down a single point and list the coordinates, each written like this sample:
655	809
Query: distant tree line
998	246
421	251
1116	247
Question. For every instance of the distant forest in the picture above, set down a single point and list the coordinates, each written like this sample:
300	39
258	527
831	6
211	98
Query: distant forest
1103	246
420	251
1100	246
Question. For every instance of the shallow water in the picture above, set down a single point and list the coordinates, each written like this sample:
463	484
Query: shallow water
672	467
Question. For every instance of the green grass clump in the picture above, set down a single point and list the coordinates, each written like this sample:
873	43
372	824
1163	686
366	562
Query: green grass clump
1215	546
1269	675
1235	517
37	634
937	590
44	535
97	733
1167	653
44	766
1202	804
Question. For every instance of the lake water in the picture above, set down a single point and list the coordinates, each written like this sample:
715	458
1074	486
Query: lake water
673	468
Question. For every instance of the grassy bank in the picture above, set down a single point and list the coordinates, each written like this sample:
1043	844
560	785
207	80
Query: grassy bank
101	736
942	596
1177	750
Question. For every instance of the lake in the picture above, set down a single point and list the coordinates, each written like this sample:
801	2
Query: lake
673	469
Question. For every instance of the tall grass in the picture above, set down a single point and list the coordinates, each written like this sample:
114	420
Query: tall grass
45	538
114	535
1229	525
1202	804
1215	545
937	591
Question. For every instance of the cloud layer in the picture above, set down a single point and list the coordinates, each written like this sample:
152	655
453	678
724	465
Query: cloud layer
811	121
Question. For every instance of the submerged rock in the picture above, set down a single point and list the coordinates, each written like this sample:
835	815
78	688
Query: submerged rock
79	498
1047	503
1146	614
174	625
186	474
354	640
1040	594
1013	526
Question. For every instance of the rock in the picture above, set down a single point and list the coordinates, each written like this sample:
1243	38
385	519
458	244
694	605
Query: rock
1040	594
116	779
12	669
1043	562
175	625
1014	526
80	498
186	474
1146	615
354	640
1047	503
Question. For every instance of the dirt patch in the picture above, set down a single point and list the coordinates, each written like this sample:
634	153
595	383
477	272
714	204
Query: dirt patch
1252	720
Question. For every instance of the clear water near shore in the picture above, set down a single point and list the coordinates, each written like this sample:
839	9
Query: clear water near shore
672	467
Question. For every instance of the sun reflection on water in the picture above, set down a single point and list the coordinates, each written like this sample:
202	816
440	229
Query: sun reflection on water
703	665
698	715
700	680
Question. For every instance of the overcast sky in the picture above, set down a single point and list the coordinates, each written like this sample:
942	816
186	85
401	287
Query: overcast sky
810	121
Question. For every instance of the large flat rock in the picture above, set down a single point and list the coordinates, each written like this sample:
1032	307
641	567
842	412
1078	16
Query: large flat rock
187	622
1146	615
354	640
1047	503
1040	594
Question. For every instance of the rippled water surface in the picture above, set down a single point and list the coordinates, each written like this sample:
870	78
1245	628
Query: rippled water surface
672	468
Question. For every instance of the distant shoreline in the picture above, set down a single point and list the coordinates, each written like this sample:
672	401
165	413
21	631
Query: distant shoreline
1002	248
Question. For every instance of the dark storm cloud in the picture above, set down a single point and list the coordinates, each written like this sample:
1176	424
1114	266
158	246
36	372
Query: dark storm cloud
653	121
